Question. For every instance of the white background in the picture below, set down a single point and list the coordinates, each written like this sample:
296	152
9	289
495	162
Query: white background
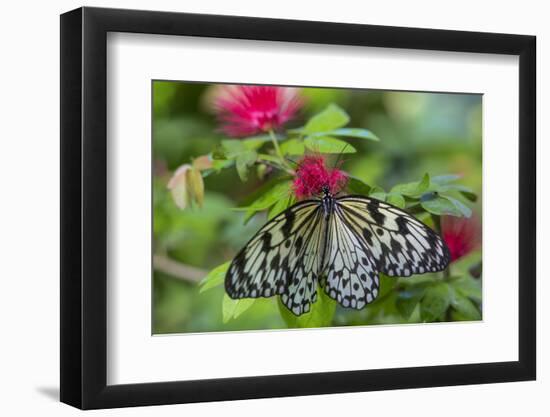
29	213
134	356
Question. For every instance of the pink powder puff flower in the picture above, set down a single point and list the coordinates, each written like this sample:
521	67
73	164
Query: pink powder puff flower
312	175
245	110
461	235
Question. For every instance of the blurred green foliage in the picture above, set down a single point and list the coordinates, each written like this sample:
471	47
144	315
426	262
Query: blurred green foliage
414	140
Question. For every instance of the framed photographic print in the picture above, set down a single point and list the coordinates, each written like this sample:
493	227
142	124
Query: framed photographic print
257	208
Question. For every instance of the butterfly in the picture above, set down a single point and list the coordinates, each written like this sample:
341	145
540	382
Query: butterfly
339	244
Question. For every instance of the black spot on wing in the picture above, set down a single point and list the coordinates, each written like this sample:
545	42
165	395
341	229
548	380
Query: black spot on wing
367	234
289	222
373	207
402	225
266	241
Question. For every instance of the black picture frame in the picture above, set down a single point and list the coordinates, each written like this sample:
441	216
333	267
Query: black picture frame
84	207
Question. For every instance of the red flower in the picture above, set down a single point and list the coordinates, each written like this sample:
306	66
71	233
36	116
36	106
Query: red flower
244	110
461	235
312	175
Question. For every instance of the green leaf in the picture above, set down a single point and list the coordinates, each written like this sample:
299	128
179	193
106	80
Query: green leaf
255	142
347	132
468	287
408	299
453	187
413	189
356	186
378	193
445	179
424	185
462	265
467	192
435	302
327	144
396	199
440	206
442	184
408	189
470	195
269	197
219	154
320	315
464	209
232	148
333	117
293	147
215	277
463	305
245	160
353	133
279	191
445	205
242	153
231	309
218	165
281	205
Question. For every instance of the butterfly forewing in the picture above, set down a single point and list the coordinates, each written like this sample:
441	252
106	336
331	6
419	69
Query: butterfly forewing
281	259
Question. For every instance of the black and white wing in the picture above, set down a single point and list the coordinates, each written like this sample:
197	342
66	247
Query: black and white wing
399	244
350	274
282	259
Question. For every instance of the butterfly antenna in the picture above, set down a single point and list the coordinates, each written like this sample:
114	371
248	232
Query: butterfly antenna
292	161
340	155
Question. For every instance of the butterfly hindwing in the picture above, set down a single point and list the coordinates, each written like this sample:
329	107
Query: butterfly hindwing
281	259
400	244
302	286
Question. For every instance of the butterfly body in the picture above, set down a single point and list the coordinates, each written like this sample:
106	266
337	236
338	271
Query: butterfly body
328	203
340	244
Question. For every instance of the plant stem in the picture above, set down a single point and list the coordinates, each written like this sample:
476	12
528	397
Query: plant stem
177	269
276	144
437	223
276	165
279	154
